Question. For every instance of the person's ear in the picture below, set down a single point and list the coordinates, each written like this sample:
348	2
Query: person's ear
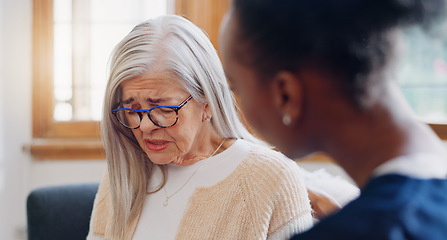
288	96
207	115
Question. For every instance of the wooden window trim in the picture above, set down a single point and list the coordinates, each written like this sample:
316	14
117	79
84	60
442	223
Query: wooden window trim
43	124
440	130
205	14
51	139
66	149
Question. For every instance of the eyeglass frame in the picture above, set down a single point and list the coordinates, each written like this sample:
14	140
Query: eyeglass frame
140	112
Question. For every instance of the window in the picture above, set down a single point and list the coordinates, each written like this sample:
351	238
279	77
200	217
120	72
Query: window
72	40
423	76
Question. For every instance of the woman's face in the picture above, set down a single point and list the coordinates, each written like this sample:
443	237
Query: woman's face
176	144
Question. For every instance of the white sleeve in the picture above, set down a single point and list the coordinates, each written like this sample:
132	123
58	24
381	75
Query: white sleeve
336	188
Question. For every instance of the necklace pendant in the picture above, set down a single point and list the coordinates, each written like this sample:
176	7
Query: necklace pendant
165	203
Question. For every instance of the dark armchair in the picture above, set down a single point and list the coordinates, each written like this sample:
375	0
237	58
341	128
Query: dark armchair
60	212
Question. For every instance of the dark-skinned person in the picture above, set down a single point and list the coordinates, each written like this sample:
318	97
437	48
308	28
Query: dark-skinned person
320	76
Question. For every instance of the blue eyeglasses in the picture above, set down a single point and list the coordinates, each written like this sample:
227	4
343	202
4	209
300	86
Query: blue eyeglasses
162	116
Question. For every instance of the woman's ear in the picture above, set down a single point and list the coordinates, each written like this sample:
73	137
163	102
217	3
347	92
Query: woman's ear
288	96
207	115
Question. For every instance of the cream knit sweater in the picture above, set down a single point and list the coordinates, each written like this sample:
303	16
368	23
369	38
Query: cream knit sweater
264	198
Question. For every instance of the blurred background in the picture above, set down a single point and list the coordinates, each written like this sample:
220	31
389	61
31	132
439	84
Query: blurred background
53	66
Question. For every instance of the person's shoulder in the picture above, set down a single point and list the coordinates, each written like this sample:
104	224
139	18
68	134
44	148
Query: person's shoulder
269	168
266	159
345	224
367	219
388	203
394	195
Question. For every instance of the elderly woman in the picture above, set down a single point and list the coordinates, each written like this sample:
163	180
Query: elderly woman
323	72
181	165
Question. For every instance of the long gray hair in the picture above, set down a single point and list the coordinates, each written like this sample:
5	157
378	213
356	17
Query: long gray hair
184	50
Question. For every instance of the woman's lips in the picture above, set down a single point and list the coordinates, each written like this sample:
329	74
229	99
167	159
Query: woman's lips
156	145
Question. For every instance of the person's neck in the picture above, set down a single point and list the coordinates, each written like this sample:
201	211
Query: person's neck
360	142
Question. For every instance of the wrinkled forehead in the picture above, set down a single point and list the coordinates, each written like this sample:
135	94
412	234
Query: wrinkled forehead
157	84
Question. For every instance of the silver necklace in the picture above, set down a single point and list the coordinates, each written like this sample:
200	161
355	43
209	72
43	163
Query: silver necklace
165	203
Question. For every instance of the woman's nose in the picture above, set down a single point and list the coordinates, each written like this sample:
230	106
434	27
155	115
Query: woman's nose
146	124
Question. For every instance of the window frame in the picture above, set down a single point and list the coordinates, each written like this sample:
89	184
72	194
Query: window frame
51	139
440	130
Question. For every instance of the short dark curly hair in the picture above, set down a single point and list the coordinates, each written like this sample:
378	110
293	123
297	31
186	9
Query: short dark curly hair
349	35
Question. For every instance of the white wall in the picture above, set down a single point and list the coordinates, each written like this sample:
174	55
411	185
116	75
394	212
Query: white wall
18	172
2	113
15	101
1	103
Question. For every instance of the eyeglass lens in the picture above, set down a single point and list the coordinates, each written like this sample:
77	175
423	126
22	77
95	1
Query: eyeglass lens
162	116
